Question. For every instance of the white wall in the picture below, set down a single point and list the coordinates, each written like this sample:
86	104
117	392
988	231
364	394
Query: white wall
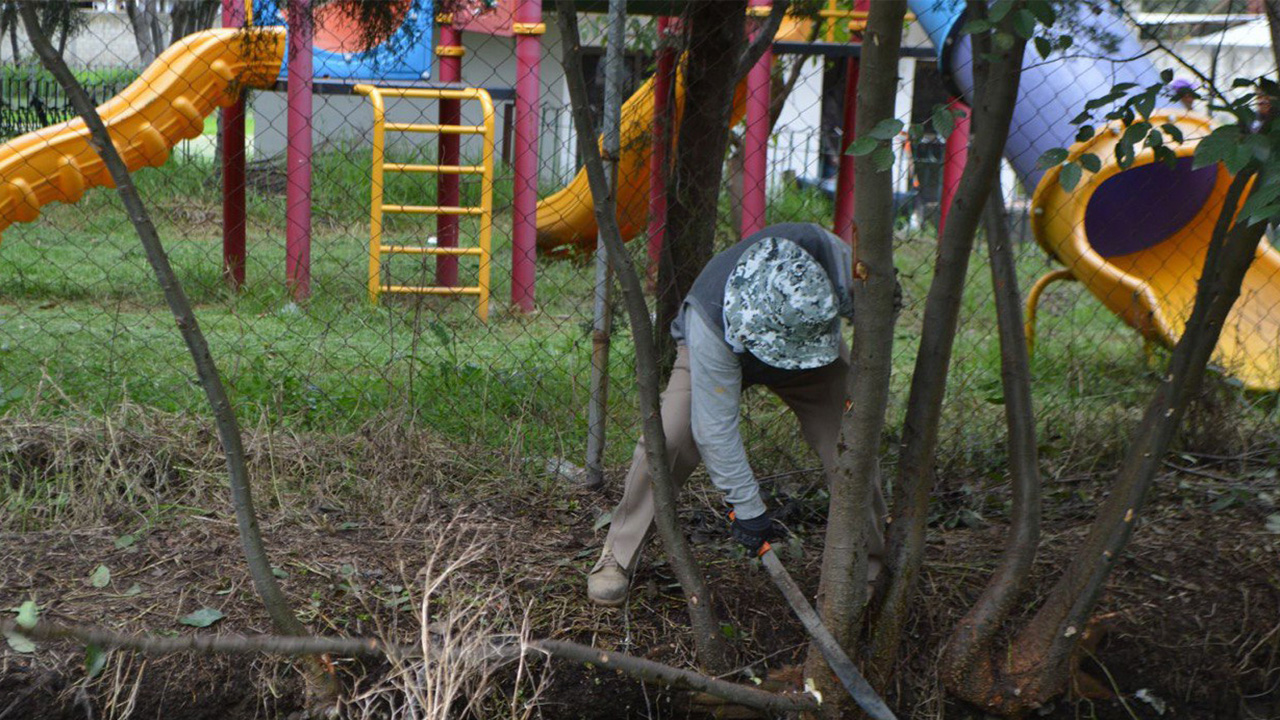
106	42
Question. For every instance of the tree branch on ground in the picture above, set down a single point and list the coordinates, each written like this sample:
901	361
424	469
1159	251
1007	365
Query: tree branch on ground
639	668
713	653
996	78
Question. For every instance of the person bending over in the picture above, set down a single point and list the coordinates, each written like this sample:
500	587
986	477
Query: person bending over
763	312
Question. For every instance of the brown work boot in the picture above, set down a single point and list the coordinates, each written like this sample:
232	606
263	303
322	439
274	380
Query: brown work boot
608	583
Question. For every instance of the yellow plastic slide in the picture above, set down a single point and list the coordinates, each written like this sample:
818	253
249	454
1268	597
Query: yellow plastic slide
165	105
1137	240
566	220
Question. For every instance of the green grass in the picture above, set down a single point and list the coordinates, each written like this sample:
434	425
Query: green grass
83	325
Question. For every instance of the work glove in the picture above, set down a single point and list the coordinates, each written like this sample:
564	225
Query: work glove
754	533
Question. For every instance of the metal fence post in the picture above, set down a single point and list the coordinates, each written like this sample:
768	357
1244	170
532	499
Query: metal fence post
602	317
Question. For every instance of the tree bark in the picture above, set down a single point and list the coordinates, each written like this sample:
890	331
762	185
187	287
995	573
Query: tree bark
970	654
715	42
713	653
996	89
1037	664
1272	8
842	587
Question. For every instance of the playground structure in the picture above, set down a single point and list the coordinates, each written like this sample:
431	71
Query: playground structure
1134	238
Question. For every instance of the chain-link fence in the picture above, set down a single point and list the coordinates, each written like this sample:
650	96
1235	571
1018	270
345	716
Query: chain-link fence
84	327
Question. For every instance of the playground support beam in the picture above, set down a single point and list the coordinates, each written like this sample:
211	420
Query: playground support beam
755	141
954	156
845	179
660	158
233	170
298	160
450	52
528	28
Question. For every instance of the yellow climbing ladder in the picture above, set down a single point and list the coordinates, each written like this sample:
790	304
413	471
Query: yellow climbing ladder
484	211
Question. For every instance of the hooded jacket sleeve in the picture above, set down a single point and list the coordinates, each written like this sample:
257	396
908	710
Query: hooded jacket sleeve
715	376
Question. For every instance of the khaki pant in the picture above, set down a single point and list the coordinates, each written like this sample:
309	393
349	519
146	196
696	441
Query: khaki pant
817	399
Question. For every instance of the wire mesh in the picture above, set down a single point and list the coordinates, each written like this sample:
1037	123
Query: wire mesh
83	325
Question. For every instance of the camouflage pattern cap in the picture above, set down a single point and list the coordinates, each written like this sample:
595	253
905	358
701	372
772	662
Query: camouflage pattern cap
780	306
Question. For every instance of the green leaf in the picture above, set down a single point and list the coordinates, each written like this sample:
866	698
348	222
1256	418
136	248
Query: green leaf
1082	117
975	27
1084	133
125	541
1239	156
1122	88
1172	131
1024	23
134	589
1043	47
861	146
28	614
1215	147
95	658
1043	10
1145	104
19	643
1002	41
944	121
886	129
1167	156
1154	138
1124	154
101	577
202	618
1166	76
604	519
1051	157
882	158
999	9
1090	162
1070	176
1135	133
1065	41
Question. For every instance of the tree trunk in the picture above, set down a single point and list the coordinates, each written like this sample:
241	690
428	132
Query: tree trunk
716	37
1037	665
969	654
142	20
995	92
191	16
713	653
1272	8
842	588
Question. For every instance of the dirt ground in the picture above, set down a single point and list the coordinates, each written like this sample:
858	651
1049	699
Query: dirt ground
1190	621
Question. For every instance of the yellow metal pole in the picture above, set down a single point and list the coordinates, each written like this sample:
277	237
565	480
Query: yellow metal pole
375	212
1033	301
486	203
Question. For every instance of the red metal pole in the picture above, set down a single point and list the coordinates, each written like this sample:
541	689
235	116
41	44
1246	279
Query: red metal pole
843	224
755	141
298	160
450	52
233	170
528	29
659	157
955	155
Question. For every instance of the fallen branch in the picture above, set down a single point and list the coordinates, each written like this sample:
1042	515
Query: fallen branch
639	668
